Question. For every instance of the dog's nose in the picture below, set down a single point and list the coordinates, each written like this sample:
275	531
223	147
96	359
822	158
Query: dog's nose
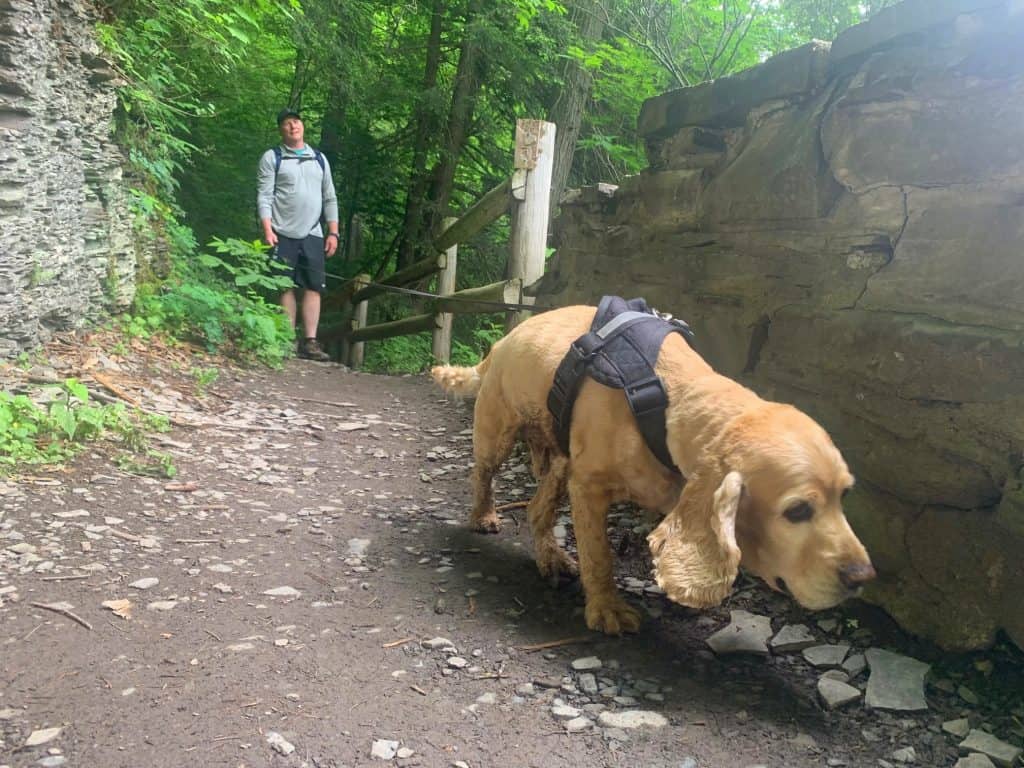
857	575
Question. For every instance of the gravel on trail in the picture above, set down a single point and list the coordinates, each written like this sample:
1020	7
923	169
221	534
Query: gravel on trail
305	593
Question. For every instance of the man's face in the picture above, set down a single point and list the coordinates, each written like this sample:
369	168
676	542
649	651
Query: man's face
291	131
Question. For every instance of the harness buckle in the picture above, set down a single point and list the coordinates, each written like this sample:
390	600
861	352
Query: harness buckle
647	395
586	346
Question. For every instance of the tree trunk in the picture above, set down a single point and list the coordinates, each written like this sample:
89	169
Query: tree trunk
567	112
460	115
426	122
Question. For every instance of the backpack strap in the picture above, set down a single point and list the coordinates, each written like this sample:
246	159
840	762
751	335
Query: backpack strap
279	156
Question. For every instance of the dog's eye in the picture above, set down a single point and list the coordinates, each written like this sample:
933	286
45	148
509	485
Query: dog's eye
800	512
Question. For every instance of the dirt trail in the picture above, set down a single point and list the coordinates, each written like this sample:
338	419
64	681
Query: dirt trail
357	509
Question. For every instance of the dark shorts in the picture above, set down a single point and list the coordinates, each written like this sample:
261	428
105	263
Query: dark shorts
303	261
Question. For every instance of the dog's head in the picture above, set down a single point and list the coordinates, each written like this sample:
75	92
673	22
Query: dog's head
771	501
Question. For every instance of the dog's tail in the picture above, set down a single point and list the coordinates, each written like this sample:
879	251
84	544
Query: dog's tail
460	381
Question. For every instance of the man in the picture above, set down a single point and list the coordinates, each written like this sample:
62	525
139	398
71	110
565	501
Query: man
294	191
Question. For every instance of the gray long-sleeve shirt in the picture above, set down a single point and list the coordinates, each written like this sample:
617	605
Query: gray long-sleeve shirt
301	194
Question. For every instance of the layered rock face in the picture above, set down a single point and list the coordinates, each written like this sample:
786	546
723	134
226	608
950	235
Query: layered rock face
66	250
844	228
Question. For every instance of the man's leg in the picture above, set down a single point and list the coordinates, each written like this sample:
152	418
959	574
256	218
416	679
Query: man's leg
286	256
288	304
310	275
310	312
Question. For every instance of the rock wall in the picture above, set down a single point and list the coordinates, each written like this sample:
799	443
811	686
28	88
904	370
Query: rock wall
66	251
844	227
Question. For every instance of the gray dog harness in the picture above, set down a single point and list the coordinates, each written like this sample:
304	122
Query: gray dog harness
620	351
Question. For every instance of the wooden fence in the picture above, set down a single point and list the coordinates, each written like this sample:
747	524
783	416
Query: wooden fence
526	196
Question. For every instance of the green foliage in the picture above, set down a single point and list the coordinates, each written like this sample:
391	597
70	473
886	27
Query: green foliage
412	354
205	78
487	332
205	377
170	55
150	463
400	354
32	434
249	268
187	308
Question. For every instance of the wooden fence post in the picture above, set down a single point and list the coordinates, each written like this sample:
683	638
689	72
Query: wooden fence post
442	344
356	349
531	194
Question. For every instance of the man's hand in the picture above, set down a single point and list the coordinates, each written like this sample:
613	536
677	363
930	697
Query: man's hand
331	244
270	237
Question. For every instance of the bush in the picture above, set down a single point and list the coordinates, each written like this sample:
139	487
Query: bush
219	302
412	354
32	434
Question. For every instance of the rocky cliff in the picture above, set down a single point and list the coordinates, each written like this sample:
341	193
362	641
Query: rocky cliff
66	251
844	228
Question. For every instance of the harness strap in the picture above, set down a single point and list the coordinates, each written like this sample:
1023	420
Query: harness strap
614	325
568	380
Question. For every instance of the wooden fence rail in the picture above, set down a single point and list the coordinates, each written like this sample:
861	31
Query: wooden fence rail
526	194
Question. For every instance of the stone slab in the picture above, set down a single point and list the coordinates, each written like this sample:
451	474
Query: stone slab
727	101
896	682
904	18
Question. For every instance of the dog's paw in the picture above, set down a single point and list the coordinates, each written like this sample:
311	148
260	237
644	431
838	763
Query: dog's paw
553	563
612	616
489	523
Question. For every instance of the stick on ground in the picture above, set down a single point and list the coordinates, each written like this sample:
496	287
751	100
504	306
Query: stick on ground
556	644
63	612
512	505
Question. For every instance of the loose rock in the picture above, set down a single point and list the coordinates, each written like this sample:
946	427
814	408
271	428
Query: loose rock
42	736
896	682
830	656
836	693
792	637
999	752
746	633
974	760
959	728
630	719
279	743
383	749
578	724
282	592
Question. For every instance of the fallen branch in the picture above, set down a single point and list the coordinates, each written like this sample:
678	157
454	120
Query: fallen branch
512	505
197	541
113	388
63	612
323	402
108	400
67	578
397	643
556	644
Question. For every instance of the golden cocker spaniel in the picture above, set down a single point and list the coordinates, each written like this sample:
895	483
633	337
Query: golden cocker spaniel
763	482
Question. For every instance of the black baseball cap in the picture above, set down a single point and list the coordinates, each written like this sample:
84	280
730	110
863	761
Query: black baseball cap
284	114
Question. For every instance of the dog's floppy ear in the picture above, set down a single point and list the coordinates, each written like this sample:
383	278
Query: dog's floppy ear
695	553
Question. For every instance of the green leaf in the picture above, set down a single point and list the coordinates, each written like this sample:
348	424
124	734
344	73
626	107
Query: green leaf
64	419
77	390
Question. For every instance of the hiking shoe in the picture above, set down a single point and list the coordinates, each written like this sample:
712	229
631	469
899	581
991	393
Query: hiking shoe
309	349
